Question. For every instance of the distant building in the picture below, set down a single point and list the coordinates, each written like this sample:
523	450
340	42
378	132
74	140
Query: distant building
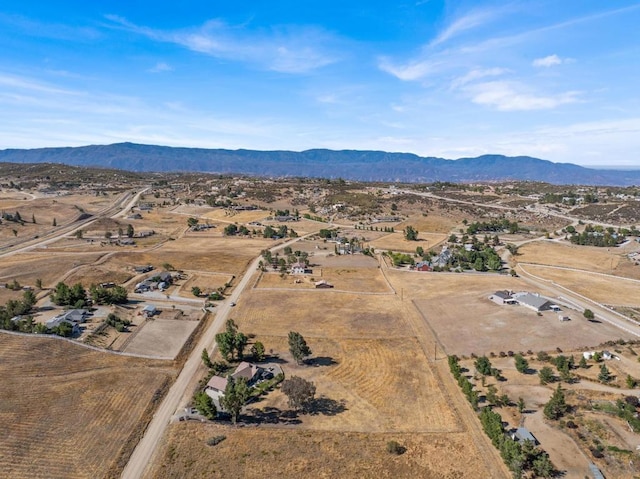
322	284
533	301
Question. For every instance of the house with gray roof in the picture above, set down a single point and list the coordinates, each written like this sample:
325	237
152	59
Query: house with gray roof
533	301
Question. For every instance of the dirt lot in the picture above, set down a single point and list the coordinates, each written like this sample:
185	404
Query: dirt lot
288	453
471	323
161	337
66	411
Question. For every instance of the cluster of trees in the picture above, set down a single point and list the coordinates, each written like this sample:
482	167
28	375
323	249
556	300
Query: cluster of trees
597	236
399	259
463	381
232	342
569	198
493	226
480	260
320	219
14	308
75	296
328	233
118	323
410	233
519	457
101	295
233	230
282	232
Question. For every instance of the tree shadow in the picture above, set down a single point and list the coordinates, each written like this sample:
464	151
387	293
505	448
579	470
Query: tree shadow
321	361
271	415
594	321
326	406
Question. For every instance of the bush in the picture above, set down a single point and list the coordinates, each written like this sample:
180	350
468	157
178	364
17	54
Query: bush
215	440
394	447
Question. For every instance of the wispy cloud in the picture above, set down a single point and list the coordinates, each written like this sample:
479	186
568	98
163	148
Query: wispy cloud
411	71
466	22
49	30
513	96
287	49
548	61
477	74
161	67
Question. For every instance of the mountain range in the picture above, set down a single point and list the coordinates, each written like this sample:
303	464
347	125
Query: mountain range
346	164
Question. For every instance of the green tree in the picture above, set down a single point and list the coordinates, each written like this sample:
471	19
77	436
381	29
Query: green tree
130	231
410	233
546	375
522	365
521	405
257	351
39	283
298	347
588	314
235	396
542	465
478	264
557	406
196	291
483	365
29	299
605	374
206	359
631	382
300	392
191	222
204	405
419	250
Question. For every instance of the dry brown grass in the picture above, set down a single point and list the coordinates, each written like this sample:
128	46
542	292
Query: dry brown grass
590	258
396	242
433	223
457	308
208	283
366	280
66	411
261	452
27	267
604	289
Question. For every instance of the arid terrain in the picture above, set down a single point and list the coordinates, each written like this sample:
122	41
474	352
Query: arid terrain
380	330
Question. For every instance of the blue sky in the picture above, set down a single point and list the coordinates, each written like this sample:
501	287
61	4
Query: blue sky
558	80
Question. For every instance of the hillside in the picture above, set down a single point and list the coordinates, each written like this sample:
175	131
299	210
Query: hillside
347	164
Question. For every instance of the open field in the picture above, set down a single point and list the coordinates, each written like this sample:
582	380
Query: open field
590	258
457	308
366	385
67	411
27	267
605	289
365	280
321	313
433	223
231	216
396	242
288	453
207	282
161	337
96	274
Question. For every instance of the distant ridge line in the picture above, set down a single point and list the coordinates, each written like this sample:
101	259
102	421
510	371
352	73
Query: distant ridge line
361	165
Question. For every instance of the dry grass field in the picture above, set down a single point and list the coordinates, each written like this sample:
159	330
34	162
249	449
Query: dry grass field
433	223
207	282
396	242
67	411
457	308
27	267
96	274
289	453
590	258
605	289
365	280
239	217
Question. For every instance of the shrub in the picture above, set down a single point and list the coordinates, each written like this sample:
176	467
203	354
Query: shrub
215	440
394	447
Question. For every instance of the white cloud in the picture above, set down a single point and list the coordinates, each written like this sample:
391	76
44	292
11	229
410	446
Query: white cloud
513	96
283	49
161	67
548	61
462	24
477	74
411	71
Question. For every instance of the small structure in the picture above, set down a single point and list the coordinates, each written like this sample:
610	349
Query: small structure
57	321
502	297
300	268
523	434
532	301
143	269
607	355
588	354
217	384
422	266
595	472
322	284
562	317
149	310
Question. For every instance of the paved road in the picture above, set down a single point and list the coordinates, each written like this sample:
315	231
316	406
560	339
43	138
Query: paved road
180	392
